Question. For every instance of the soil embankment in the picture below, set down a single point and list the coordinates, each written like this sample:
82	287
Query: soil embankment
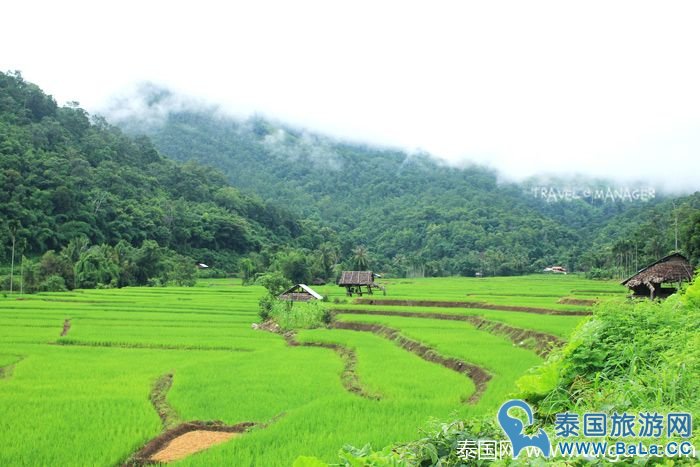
477	374
479	305
539	342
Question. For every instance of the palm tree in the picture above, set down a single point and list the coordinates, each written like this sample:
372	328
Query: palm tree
360	258
328	255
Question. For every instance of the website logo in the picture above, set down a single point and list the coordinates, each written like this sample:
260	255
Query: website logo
515	429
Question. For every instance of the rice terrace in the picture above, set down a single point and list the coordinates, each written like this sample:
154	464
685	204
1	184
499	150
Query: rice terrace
96	387
367	234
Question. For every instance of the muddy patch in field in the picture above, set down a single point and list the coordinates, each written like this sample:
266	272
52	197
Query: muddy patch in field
577	301
478	375
181	439
480	305
539	342
66	327
186	439
190	443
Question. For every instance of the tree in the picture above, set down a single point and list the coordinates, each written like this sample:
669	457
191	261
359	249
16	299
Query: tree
294	266
274	282
248	270
181	271
360	258
53	264
328	257
13	237
97	266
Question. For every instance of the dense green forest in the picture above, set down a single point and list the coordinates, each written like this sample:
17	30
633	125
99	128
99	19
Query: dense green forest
412	214
111	208
83	201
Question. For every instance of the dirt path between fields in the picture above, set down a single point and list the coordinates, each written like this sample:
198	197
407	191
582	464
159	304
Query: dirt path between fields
66	327
577	301
478	375
135	345
158	397
181	439
7	370
480	305
539	342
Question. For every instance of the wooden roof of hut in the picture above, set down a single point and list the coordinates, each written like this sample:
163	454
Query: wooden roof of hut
672	268
356	278
300	293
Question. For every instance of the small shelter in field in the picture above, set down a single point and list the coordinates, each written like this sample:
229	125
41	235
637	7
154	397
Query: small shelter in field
354	281
671	269
555	269
300	293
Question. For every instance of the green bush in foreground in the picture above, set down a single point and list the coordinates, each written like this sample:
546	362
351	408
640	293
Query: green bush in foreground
439	446
630	355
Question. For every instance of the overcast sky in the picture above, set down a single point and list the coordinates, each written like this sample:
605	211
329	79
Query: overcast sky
603	88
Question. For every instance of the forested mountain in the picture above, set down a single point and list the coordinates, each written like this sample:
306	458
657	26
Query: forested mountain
303	204
68	177
412	214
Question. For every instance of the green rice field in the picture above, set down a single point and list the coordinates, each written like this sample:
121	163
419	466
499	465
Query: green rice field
82	398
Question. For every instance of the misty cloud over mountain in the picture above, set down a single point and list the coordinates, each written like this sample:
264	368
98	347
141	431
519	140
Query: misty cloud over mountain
147	106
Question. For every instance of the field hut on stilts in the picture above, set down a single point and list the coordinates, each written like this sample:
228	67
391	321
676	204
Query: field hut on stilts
648	282
354	281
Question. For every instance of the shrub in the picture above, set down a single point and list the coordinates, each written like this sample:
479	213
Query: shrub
5	283
438	446
53	283
628	355
274	282
266	303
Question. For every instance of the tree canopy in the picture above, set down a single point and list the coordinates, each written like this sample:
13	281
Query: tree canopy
66	176
411	215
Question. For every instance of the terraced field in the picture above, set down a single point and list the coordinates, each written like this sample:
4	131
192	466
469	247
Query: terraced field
91	377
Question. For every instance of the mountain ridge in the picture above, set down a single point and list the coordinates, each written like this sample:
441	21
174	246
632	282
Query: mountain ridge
409	210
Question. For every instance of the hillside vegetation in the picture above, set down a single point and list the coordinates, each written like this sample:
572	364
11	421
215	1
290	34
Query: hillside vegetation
65	175
414	215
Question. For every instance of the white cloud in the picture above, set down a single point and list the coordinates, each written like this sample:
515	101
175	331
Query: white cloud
602	88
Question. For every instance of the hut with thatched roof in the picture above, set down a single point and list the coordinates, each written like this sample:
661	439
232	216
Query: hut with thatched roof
300	293
354	281
672	269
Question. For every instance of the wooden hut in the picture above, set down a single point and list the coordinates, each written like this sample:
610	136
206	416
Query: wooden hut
354	281
300	293
648	282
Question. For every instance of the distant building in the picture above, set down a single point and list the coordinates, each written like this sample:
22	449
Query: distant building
673	269
555	269
300	293
354	281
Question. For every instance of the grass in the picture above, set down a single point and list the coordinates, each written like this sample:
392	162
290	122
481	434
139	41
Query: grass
82	399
